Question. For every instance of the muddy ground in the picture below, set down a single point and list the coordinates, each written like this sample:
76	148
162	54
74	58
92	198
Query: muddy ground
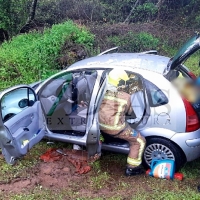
106	180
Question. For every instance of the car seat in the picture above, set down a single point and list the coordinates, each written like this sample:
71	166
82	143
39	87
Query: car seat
83	88
61	89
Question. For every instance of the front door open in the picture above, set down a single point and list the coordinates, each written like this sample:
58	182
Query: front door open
21	122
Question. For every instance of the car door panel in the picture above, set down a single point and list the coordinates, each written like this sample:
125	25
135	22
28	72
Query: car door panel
93	136
21	132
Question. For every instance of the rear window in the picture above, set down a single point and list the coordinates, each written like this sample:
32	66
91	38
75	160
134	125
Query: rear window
155	95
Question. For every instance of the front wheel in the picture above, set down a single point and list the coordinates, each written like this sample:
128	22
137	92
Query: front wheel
160	149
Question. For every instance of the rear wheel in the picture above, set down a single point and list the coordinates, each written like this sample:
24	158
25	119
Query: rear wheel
160	149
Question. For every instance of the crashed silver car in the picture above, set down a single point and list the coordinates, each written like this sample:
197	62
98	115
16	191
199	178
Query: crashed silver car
65	107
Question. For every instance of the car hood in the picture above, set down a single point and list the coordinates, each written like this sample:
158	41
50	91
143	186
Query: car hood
190	47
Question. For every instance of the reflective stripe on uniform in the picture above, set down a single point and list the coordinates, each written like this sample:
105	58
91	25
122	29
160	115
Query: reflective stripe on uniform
142	145
122	102
112	127
134	162
137	161
115	99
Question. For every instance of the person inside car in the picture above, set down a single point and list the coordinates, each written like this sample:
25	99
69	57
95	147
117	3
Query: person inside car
115	105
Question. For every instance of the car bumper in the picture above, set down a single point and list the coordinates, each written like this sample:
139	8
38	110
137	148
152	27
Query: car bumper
189	143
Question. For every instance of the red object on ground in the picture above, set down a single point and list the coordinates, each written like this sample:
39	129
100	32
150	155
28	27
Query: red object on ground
51	155
82	167
178	176
79	162
147	172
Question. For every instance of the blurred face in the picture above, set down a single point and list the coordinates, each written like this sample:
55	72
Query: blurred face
187	89
190	92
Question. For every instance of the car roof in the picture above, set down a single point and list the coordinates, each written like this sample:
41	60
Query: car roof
150	62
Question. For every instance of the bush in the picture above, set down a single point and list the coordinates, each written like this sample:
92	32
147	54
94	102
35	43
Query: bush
145	12
13	15
58	11
132	42
30	57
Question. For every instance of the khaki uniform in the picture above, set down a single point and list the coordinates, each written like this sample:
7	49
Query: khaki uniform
112	121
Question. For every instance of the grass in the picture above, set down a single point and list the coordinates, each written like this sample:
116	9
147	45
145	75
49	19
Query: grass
193	63
104	183
192	169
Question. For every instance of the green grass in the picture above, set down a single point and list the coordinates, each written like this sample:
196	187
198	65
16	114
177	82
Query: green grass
193	63
191	169
187	194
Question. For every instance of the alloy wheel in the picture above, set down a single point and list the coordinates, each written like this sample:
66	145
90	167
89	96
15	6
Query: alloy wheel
157	152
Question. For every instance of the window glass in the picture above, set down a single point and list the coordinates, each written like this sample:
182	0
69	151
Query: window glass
155	96
15	101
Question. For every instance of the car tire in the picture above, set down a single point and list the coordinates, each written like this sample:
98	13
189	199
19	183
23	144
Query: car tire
160	148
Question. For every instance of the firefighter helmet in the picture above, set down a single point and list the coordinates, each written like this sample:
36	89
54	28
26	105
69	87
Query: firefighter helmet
116	75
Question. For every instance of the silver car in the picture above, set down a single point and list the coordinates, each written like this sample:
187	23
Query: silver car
65	107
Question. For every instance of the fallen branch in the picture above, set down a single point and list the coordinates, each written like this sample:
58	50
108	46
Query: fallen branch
131	12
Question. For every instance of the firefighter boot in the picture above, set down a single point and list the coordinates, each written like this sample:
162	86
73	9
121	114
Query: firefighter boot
130	171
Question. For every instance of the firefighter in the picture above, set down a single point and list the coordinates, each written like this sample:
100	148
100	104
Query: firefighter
115	105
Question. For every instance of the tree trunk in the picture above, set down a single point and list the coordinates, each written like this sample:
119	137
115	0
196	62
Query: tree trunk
131	12
31	17
159	5
32	11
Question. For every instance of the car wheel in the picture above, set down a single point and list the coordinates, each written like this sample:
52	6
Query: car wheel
160	149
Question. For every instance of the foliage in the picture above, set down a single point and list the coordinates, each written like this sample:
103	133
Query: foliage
132	42
58	11
13	15
29	57
144	12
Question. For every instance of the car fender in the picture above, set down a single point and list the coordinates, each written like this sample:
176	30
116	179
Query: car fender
157	132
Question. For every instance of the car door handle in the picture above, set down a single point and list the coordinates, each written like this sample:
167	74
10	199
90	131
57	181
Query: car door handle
25	129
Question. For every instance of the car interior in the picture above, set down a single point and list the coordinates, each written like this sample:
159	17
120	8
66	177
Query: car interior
65	101
66	98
